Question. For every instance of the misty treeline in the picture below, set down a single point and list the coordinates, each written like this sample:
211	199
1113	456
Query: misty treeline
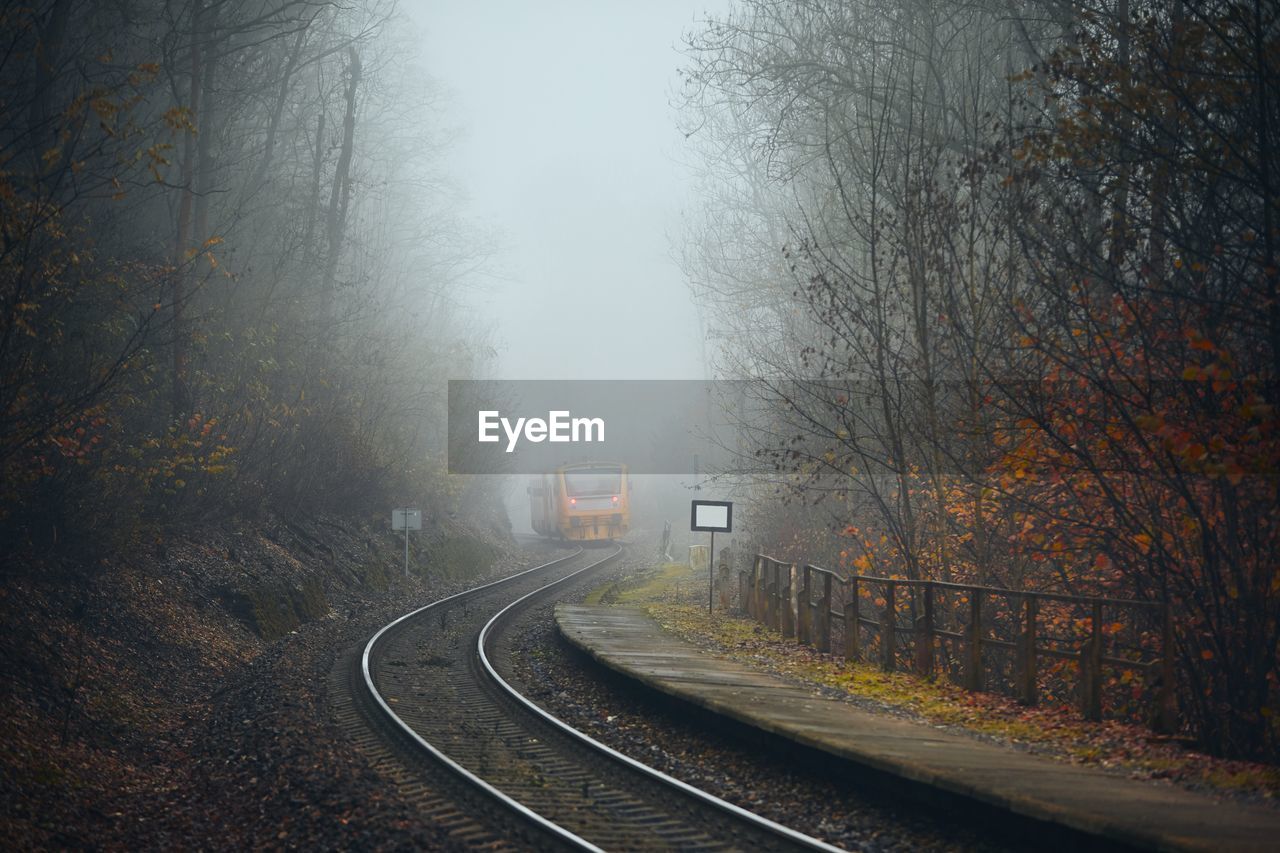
1030	250
229	267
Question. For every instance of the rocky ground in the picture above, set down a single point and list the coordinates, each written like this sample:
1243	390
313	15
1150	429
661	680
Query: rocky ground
176	699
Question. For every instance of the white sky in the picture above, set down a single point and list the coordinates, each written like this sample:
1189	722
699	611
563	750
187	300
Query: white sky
569	149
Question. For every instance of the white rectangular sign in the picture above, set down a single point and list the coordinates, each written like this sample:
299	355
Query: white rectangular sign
713	516
406	519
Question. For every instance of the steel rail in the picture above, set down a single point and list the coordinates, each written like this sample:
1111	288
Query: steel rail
702	796
515	806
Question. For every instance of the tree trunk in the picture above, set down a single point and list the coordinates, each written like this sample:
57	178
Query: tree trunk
205	120
313	209
48	49
340	195
181	393
277	111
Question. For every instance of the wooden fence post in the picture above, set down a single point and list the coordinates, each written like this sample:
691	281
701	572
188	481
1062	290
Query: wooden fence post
1027	693
723	573
771	595
804	613
887	637
1091	668
824	615
758	595
773	585
785	612
757	589
851	626
784	593
762	597
743	592
1166	712
924	634
973	672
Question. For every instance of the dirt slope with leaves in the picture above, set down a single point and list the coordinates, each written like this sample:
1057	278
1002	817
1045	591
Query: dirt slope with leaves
174	696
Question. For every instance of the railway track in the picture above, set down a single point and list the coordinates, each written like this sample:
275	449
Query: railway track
426	700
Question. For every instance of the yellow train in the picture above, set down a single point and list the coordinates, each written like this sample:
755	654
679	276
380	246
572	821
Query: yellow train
585	502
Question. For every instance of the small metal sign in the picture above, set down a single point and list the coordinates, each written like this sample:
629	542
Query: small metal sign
406	518
711	516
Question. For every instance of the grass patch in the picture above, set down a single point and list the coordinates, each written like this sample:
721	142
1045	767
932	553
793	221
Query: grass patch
659	583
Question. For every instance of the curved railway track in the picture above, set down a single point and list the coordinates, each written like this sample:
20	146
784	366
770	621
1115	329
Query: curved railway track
426	699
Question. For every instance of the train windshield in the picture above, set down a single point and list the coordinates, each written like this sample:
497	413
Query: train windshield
584	482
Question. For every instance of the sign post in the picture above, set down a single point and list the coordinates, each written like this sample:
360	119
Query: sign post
406	518
714	517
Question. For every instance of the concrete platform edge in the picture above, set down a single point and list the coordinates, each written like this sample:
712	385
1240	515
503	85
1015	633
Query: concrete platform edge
1034	809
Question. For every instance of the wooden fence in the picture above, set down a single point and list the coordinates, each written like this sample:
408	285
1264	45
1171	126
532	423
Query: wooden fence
802	602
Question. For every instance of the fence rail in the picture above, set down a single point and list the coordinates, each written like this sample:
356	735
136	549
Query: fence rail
782	596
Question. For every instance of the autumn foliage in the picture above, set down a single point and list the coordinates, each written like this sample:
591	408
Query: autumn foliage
199	318
1054	307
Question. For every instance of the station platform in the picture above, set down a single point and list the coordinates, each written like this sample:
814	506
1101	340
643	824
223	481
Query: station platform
1124	812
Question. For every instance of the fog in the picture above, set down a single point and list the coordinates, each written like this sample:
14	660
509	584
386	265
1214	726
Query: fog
997	274
569	149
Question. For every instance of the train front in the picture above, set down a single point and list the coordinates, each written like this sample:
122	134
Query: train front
595	505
